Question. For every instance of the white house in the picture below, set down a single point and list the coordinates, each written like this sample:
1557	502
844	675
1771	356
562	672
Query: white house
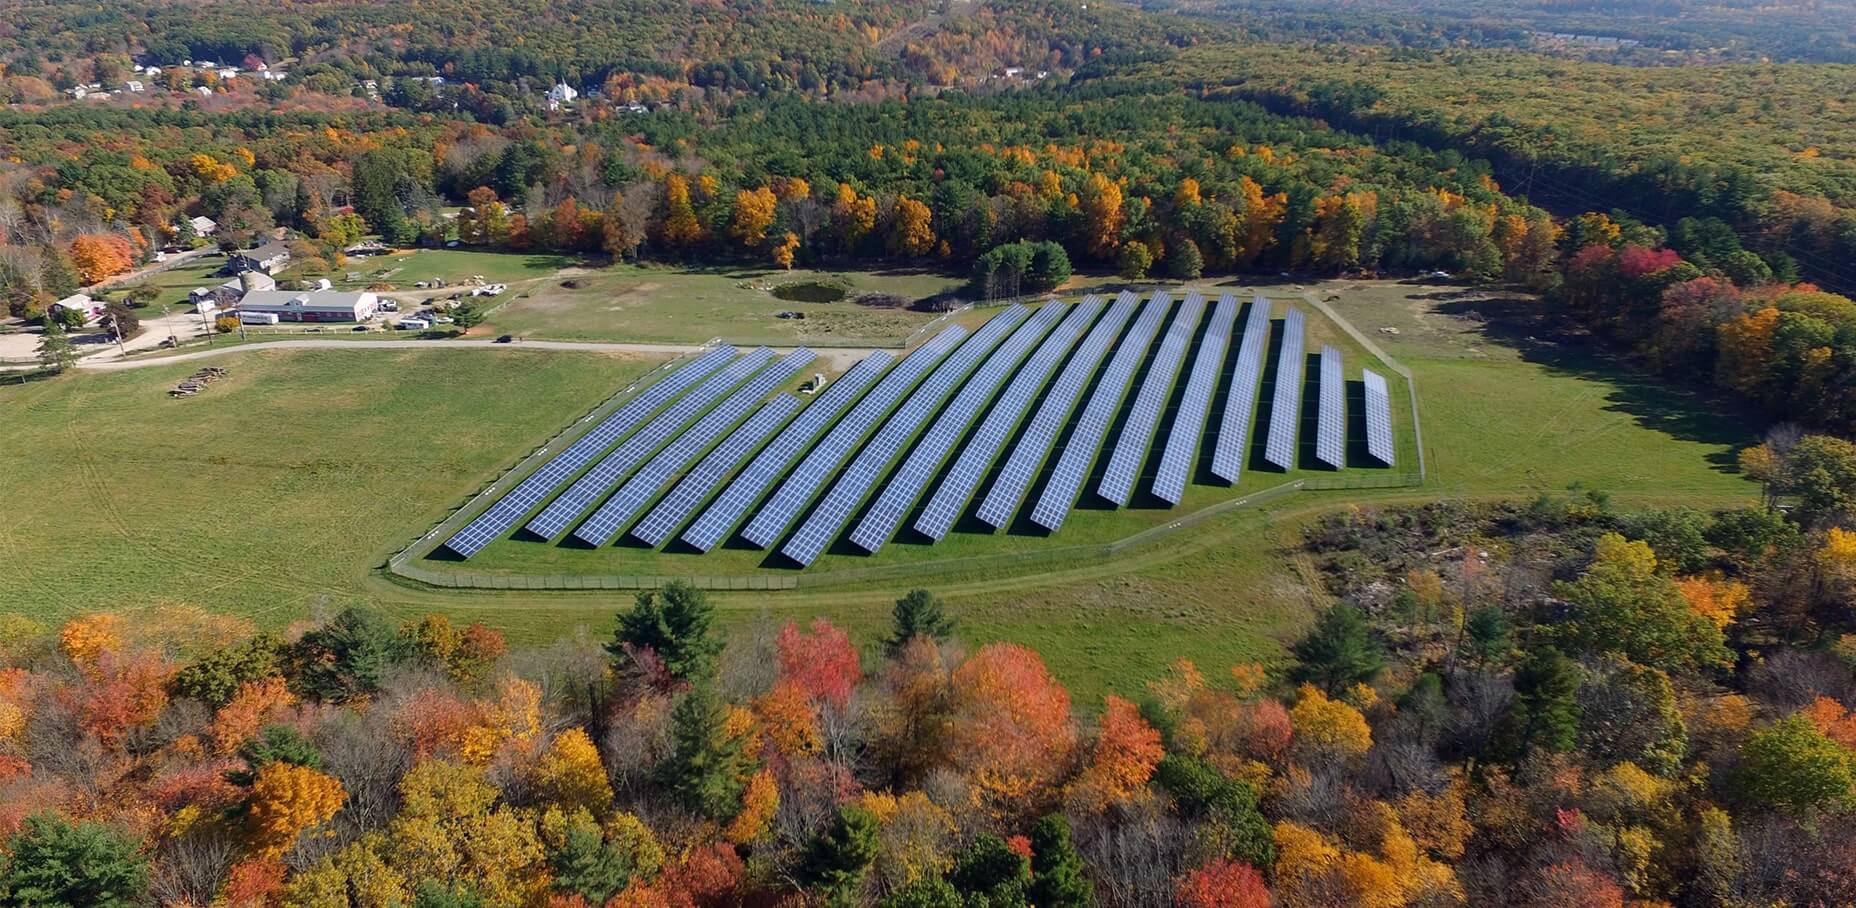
203	92
562	93
81	302
311	305
133	85
203	225
230	292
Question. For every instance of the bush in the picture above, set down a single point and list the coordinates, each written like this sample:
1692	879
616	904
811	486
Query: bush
226	324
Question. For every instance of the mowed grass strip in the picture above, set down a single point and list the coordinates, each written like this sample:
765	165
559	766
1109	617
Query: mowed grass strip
276	489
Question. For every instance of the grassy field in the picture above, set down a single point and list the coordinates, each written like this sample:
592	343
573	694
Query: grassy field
278	492
404	269
628	303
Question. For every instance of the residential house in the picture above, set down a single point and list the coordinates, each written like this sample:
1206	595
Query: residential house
269	258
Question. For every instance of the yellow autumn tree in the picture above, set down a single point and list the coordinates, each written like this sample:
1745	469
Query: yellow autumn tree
88	637
1328	728
570	773
451	828
753	216
916	839
1100	203
759	801
513	717
678	227
1720	601
852	217
911	231
785	249
1259	218
1837	557
286	800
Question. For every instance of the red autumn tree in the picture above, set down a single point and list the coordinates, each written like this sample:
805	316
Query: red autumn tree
1222	884
1636	261
1126	752
823	663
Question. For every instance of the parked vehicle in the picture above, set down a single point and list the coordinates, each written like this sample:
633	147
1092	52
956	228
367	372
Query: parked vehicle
506	339
412	324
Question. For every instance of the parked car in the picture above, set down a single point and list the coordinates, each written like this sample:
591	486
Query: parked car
361	328
506	339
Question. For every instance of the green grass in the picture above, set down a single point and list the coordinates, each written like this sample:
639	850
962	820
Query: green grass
403	269
277	488
660	305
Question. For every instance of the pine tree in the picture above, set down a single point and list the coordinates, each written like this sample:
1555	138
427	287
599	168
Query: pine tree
674	623
1338	653
707	769
838	859
1546	707
1057	879
918	614
55	351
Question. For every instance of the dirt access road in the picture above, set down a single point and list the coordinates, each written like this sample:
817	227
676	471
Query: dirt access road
836	359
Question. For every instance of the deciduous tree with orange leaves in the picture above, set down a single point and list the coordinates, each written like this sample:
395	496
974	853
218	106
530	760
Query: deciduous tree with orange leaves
100	255
1010	729
822	663
1126	751
286	800
911	231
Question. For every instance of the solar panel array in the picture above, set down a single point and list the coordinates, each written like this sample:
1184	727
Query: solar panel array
853	485
531	491
1022	466
1378	417
925	461
1182	445
617	513
596	482
1073	464
887	432
1241	402
803	483
696	485
771	463
1331	411
977	457
1286	405
1137	433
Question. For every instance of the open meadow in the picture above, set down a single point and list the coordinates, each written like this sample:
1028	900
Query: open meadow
280	491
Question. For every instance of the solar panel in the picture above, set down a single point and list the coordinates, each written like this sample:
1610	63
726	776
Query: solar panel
803	482
1378	417
696	486
923	462
957	486
596	482
853	485
1241	403
1028	455
1073	464
1137	433
617	513
1331	411
771	463
1286	405
1183	444
537	486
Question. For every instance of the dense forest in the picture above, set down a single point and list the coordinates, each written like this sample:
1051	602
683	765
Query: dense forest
1551	704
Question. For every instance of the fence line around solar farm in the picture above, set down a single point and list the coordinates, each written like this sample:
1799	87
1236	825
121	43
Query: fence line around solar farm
496	488
923	570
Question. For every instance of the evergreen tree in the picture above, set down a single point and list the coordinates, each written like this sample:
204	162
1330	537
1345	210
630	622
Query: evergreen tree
1228	805
927	892
918	614
1184	262
55	351
1057	879
707	769
1546	710
989	873
275	744
674	623
841	855
1338	653
51	863
1488	631
343	659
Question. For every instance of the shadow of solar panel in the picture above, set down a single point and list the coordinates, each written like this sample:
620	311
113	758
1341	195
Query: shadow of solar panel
606	473
977	457
1137	434
695	487
1378	418
1241	403
853	485
502	516
1331	412
1022	466
900	492
1286	404
1086	440
616	514
803	483
1182	443
771	463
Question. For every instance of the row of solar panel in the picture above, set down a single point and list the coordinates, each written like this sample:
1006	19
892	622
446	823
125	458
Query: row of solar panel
657	435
